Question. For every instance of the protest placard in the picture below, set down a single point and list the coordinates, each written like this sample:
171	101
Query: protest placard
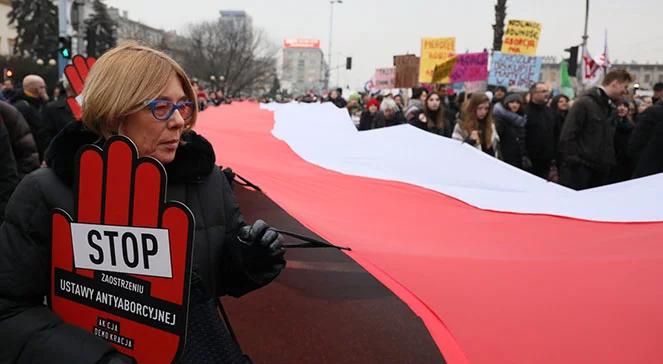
434	52
514	70
521	37
470	67
407	70
385	78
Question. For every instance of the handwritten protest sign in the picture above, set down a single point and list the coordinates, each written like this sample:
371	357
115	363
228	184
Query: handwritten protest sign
521	37
407	70
385	78
434	52
442	72
514	70
470	67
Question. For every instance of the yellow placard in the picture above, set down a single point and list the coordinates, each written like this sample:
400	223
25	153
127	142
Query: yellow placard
434	52
521	37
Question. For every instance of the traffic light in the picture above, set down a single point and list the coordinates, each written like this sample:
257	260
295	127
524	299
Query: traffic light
8	73
573	60
65	47
348	63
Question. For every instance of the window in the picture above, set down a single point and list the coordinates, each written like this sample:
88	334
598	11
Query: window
660	77
647	78
301	63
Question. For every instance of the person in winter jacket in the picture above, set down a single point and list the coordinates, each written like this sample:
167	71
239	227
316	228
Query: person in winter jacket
389	115
623	169
510	121
30	101
476	126
646	144
157	111
434	119
587	139
368	117
8	174
644	128
559	107
22	141
336	98
540	130
56	114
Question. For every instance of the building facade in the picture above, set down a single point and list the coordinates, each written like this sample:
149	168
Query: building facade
238	16
646	75
304	68
7	32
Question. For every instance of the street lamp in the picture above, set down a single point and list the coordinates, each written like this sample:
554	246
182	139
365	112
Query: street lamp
331	30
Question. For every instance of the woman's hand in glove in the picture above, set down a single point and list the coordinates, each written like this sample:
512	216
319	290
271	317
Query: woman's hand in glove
262	252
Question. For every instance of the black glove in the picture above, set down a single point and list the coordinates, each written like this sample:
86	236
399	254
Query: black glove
262	253
115	357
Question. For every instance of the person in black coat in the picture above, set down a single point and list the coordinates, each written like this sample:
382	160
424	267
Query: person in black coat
559	107
540	130
644	128
367	120
510	122
623	169
587	139
56	114
229	256
22	141
389	114
30	101
436	120
336	98
646	142
8	174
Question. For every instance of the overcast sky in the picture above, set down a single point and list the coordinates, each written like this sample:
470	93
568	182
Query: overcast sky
372	31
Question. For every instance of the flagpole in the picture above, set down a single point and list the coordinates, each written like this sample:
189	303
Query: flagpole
584	47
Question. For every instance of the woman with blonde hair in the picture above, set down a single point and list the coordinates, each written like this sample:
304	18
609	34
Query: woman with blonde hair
143	94
476	126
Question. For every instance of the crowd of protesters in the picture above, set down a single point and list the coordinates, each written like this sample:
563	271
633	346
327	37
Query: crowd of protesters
605	135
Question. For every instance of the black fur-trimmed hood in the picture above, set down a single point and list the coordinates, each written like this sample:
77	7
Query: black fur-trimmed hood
194	160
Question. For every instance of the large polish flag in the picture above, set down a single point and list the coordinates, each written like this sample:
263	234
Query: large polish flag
502	267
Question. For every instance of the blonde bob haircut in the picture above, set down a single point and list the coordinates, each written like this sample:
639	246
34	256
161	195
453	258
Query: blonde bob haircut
122	80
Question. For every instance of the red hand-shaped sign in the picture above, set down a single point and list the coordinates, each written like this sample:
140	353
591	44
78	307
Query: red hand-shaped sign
121	269
76	74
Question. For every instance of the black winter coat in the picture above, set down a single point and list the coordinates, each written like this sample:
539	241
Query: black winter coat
31	333
540	130
56	115
8	175
644	129
588	134
30	108
511	129
380	121
623	169
651	157
22	142
367	120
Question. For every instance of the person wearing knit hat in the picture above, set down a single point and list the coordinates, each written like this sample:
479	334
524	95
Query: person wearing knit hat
367	120
510	123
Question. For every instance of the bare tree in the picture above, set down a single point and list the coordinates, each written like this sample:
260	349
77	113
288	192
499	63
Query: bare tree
232	49
498	27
